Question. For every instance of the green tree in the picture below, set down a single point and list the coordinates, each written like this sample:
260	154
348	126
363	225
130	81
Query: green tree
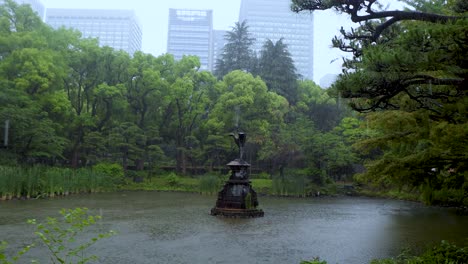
246	105
415	55
94	92
30	71
146	96
189	105
237	53
277	69
412	64
319	106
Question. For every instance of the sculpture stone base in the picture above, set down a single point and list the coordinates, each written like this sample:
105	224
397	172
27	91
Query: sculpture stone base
237	213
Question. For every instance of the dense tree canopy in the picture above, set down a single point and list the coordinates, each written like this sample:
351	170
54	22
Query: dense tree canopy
422	59
409	68
70	102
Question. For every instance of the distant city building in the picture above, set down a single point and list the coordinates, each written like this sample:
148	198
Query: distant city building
273	20
36	6
118	29
190	32
327	80
218	44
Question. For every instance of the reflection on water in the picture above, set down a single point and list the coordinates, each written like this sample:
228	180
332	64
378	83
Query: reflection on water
155	227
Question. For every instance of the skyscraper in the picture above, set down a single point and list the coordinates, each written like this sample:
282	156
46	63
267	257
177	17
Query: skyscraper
190	32
36	6
274	20
218	44
118	29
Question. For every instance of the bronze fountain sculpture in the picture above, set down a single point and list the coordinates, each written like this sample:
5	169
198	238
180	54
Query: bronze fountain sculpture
238	198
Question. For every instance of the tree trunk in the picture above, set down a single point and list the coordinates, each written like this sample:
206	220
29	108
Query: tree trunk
125	160
75	157
181	166
140	164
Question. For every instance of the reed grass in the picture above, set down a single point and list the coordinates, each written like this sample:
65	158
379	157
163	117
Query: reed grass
210	184
41	181
293	185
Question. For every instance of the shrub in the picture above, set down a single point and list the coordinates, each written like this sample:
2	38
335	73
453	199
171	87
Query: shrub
114	171
445	252
172	179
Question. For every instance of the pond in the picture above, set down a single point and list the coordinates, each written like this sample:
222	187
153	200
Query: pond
158	227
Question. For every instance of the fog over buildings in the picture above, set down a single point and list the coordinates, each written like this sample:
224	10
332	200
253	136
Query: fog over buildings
154	22
190	32
118	29
274	20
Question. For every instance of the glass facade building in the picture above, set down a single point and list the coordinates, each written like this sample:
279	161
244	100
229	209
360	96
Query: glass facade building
218	44
274	20
190	32
118	29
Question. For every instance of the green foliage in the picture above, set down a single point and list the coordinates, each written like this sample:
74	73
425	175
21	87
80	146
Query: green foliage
262	175
291	184
409	69
111	170
172	179
73	103
277	69
4	259
314	261
415	151
245	102
39	181
262	186
170	182
210	184
237	53
319	105
444	196
65	238
445	252
59	235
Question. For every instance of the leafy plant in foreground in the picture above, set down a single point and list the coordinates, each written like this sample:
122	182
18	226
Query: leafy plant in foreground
63	238
314	261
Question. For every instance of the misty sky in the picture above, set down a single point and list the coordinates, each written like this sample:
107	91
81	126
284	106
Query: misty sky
153	17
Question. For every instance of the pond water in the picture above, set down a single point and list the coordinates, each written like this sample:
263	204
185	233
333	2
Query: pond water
158	227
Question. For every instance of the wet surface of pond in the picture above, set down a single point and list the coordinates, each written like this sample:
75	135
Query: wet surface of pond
155	227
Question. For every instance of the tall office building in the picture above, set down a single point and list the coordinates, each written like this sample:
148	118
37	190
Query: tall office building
274	20
218	44
190	32
36	6
118	29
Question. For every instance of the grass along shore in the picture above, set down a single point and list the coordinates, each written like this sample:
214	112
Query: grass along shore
41	181
44	182
211	184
